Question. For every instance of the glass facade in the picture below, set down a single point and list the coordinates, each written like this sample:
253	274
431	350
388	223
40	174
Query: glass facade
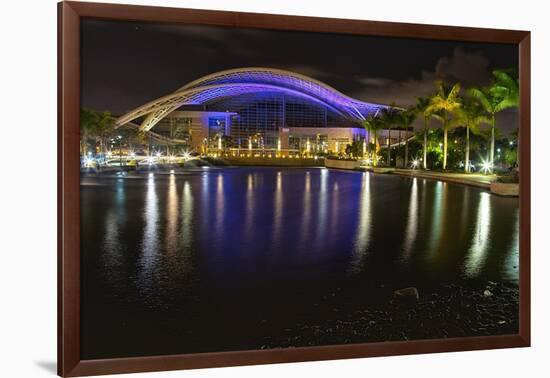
260	116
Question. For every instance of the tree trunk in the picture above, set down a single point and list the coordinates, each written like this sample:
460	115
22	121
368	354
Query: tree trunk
492	150
424	162
467	157
389	147
374	155
368	142
445	141
406	148
518	150
398	145
445	147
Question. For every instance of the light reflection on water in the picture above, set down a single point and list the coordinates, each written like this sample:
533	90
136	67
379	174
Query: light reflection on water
362	234
412	220
186	216
259	241
437	219
278	213
306	212
261	224
172	211
480	243
150	250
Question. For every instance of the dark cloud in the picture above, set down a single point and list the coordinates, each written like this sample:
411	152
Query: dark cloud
125	64
467	67
470	68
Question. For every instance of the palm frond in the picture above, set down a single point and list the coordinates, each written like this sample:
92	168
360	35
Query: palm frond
506	103
504	79
482	97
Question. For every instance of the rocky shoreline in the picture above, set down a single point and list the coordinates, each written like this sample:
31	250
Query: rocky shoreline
452	311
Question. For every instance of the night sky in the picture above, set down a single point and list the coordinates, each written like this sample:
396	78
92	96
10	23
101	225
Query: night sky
126	64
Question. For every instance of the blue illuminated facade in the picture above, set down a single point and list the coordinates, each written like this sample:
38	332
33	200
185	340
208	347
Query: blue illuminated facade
262	102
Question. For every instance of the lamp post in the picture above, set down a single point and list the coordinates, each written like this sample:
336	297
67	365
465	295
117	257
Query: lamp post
120	149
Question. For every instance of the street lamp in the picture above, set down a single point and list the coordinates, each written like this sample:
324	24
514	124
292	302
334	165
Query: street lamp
486	166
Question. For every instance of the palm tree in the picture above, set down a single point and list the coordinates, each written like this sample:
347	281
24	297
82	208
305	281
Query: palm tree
506	84
105	127
471	115
443	103
87	127
389	117
503	93
422	104
372	124
406	118
97	125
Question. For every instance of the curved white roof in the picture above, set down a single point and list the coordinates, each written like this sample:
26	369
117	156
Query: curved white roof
220	85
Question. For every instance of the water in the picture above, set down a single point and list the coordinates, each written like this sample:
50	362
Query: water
219	259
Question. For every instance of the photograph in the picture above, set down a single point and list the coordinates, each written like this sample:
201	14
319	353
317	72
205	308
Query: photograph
260	189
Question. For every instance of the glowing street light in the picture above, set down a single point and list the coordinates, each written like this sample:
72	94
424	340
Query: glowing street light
415	163
486	167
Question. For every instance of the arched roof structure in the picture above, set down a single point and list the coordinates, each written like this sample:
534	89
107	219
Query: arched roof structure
221	85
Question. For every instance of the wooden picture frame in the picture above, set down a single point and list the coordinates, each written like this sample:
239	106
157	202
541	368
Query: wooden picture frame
69	16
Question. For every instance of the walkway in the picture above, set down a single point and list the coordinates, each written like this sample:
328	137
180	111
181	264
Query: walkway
474	179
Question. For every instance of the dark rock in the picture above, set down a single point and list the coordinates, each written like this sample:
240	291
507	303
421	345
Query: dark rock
407	295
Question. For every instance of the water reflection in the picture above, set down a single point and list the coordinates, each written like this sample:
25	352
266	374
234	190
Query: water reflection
150	243
480	240
306	212
150	246
362	234
249	213
186	216
205	203
334	212
278	209
220	208
171	216
512	260
114	257
322	225
437	219
322	203
412	221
